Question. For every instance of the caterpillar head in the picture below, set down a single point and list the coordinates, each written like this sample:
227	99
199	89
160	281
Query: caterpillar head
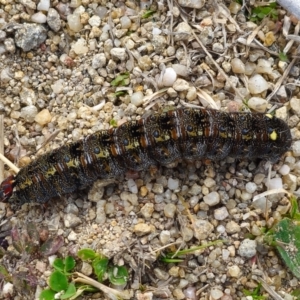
6	188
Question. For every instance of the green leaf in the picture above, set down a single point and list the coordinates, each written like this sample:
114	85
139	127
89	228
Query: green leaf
58	281
148	14
118	275
47	295
100	267
4	274
69	292
58	264
283	57
287	238
69	263
255	294
121	80
296	294
120	93
113	123
86	254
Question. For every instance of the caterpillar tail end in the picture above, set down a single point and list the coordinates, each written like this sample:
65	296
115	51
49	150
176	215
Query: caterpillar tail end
6	188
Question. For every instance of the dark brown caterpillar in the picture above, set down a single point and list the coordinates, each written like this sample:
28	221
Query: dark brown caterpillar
157	139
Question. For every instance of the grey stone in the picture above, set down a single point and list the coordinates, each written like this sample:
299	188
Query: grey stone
30	36
53	20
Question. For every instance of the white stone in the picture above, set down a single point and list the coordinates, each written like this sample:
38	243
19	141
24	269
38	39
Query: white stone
80	47
57	86
169	77
262	204
173	184
284	170
156	31
95	21
257	84
212	199
137	98
296	148
251	187
237	66
125	22
247	248
99	60
119	53
43	5
274	183
182	31
264	66
132	187
295	105
216	294
28	113
221	213
8	289
39	17
74	22
164	237
258	104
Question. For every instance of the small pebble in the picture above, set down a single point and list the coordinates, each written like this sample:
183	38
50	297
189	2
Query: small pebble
142	229
132	187
212	199
147	210
169	77
232	227
274	183
258	104
181	85
43	117
173	184
94	21
169	210
164	237
43	5
237	66
74	22
234	271
247	248
39	17
221	213
216	294
53	19
257	84
284	170
28	113
137	98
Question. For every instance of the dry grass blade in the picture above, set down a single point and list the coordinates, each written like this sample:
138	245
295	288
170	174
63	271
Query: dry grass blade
152	97
49	139
111	293
9	163
271	192
207	100
269	289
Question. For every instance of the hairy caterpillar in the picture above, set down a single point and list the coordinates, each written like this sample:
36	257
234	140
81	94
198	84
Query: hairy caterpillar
157	139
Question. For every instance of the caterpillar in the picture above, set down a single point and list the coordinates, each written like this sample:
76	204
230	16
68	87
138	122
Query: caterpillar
182	133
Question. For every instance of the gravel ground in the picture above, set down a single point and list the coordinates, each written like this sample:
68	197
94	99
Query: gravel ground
58	65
